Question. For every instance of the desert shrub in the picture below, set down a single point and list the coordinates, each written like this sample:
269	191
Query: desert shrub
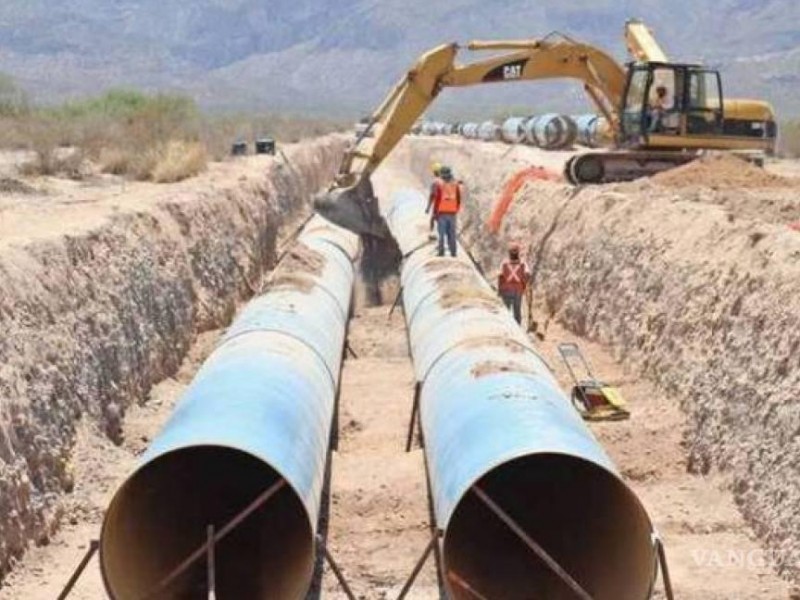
176	160
63	162
158	137
13	99
127	119
44	138
124	131
116	161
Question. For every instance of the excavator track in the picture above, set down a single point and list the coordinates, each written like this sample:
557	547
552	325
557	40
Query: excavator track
612	166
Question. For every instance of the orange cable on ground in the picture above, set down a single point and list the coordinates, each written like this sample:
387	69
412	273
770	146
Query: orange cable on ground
510	190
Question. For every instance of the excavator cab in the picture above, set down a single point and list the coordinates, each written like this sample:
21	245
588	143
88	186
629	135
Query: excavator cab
672	106
664	103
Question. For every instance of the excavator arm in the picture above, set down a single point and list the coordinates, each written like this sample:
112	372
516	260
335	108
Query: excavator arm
351	202
642	44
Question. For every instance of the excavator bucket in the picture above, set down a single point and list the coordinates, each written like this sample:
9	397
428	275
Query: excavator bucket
354	208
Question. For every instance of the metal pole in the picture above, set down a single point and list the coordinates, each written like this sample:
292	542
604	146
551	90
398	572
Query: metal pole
396	303
289	243
211	564
437	533
218	537
414	412
459	581
418	567
93	546
662	561
537	549
335	568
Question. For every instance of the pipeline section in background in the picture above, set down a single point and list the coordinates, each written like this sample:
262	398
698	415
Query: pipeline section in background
258	413
549	131
493	417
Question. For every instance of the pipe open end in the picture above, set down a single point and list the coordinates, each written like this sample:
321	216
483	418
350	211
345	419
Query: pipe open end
583	516
160	517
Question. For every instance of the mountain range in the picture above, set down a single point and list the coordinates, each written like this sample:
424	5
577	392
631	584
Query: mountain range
339	57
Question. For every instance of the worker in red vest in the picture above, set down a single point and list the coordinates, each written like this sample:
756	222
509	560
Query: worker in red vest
445	200
512	281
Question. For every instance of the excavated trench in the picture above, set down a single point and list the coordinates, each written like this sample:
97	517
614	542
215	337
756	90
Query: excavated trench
694	283
696	297
94	314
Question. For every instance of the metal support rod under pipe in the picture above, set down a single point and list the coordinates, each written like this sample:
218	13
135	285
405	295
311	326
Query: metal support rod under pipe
218	537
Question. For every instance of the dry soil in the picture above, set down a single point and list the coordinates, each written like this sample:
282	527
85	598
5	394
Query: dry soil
378	522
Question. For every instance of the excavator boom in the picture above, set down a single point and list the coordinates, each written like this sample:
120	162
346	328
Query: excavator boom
351	202
642	44
699	117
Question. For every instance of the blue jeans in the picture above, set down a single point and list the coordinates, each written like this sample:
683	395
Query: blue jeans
446	226
513	302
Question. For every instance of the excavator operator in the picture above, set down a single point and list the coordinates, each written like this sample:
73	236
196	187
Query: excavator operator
658	108
445	200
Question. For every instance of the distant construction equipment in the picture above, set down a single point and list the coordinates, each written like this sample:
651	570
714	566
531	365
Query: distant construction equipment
549	131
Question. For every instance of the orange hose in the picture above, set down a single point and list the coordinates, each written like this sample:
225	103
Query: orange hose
510	190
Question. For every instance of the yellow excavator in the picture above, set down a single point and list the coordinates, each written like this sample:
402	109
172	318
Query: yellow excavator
646	135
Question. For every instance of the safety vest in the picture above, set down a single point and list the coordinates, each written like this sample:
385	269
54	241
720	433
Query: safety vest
513	277
448	198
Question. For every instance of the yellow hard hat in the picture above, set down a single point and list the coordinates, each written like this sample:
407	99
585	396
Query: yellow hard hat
436	167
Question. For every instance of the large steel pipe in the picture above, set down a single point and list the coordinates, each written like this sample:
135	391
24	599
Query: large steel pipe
551	131
470	130
519	483
254	424
586	126
593	130
430	128
513	130
489	131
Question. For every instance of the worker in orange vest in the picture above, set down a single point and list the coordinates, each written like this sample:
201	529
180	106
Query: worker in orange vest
445	200
512	281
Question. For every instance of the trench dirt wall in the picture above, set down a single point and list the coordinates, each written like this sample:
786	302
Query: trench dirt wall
93	316
696	287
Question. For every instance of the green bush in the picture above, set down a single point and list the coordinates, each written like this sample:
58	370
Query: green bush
130	133
13	100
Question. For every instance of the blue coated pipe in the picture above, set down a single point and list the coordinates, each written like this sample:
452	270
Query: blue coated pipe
587	129
470	131
550	131
259	411
494	417
513	130
489	131
592	130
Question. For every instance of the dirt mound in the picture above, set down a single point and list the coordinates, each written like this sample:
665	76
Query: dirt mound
720	171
